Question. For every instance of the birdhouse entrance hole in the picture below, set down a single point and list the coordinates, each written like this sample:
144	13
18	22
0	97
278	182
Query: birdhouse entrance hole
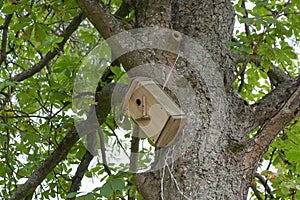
138	102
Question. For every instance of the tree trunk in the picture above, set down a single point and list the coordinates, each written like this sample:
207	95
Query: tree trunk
211	167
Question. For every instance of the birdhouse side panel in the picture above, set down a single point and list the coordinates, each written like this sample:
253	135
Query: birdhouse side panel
170	131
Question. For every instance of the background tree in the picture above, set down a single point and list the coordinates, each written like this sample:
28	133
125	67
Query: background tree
43	44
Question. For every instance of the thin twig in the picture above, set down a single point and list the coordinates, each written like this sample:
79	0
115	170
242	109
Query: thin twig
271	159
247	29
118	141
103	153
256	192
247	60
242	82
239	73
265	184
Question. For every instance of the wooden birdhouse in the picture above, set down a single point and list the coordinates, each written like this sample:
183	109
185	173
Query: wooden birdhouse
153	110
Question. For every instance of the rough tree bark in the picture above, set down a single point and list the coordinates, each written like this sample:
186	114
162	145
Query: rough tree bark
221	162
209	170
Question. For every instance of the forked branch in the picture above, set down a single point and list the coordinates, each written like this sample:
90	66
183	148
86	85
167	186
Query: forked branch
286	102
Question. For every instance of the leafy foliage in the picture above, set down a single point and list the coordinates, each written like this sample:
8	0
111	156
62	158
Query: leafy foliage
268	36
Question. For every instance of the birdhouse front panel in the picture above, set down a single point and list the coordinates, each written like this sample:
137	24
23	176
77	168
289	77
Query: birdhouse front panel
153	110
146	111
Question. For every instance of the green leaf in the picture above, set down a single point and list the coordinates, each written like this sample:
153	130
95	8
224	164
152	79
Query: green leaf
285	191
106	190
58	40
112	186
6	84
28	32
19	26
1	20
89	196
247	20
88	174
270	21
59	70
232	44
265	172
40	32
95	169
72	194
80	152
118	184
9	8
116	70
293	155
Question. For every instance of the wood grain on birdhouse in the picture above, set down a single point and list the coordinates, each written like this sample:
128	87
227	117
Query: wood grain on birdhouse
153	110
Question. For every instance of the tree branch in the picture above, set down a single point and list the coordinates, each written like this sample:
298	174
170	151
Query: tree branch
82	168
247	29
61	151
265	108
4	37
277	76
256	192
265	184
50	55
103	154
107	25
283	158
280	107
101	18
46	166
124	9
